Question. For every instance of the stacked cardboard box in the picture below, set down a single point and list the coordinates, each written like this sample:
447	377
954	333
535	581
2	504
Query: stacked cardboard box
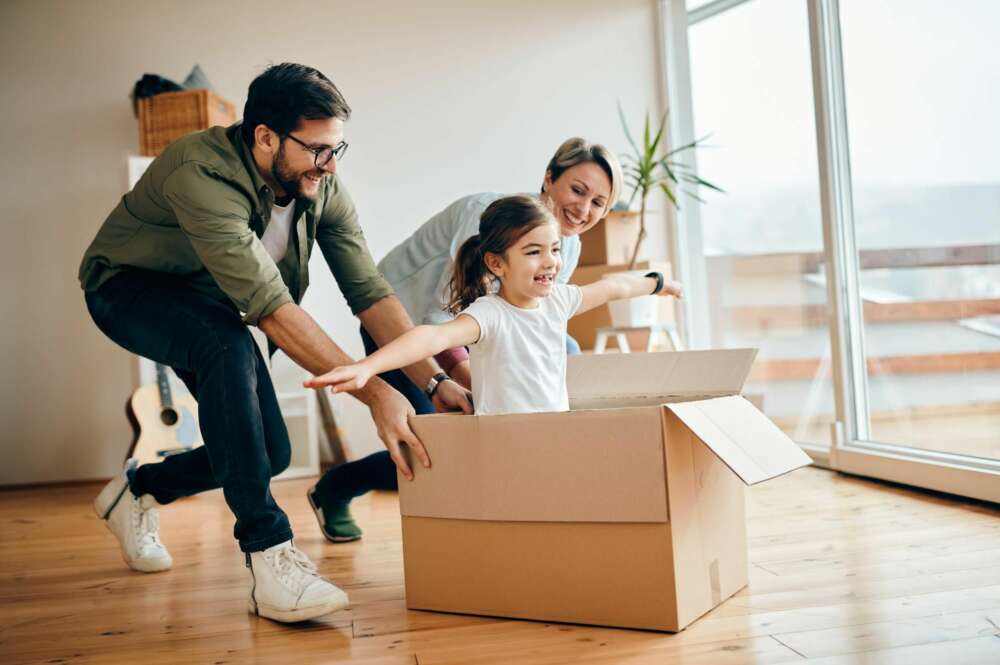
607	247
628	510
610	241
583	328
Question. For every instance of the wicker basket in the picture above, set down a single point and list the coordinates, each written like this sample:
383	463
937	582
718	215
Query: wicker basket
166	117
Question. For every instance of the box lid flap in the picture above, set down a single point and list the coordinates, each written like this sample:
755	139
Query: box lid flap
615	379
743	437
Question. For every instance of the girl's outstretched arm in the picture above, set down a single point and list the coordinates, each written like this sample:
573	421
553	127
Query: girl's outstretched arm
621	287
413	345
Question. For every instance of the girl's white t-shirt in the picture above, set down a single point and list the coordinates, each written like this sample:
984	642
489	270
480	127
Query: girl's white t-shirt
519	363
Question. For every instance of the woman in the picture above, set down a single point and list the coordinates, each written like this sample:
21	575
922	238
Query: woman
581	183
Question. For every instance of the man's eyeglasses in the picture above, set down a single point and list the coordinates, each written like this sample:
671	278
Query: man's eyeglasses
323	155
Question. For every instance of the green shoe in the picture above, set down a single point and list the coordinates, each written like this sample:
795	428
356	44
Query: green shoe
335	519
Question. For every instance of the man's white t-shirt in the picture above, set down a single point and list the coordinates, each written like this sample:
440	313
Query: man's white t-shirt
276	234
519	363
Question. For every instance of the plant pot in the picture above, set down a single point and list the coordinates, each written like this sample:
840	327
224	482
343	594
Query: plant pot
635	312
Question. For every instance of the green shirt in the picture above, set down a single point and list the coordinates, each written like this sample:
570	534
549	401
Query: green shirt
199	211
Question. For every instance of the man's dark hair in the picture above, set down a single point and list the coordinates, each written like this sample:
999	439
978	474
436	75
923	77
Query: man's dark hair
286	93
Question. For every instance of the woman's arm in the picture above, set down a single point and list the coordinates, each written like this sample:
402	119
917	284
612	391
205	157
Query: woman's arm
413	345
621	287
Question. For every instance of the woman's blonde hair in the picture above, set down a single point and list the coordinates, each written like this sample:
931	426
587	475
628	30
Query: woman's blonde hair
576	151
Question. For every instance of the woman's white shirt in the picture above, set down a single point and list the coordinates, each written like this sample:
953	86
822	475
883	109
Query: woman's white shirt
519	362
419	269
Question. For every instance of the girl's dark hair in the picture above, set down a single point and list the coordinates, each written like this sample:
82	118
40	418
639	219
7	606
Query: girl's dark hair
284	94
501	225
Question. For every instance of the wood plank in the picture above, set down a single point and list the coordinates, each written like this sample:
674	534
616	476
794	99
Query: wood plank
932	363
860	590
816	315
892	634
868	259
977	651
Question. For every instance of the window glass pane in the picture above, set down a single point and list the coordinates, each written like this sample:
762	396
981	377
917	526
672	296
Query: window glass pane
752	91
922	81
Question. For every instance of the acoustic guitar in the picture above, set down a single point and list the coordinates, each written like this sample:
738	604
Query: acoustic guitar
162	424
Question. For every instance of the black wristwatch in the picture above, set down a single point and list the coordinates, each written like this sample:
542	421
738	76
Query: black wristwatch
435	381
658	276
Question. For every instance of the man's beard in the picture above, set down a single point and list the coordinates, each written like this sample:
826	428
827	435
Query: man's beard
287	179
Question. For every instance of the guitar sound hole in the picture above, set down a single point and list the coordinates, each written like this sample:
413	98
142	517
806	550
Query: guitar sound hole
169	417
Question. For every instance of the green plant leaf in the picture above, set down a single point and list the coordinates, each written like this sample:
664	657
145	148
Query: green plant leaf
694	196
631	199
705	183
665	165
670	195
659	135
693	144
628	134
645	137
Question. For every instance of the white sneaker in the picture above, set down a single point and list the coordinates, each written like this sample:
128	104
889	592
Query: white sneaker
285	586
134	522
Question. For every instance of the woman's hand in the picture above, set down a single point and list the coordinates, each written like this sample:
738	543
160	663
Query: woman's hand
450	396
342	379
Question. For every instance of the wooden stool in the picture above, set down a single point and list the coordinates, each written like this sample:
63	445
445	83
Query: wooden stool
601	342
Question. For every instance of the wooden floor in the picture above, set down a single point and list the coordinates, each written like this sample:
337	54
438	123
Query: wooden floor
843	571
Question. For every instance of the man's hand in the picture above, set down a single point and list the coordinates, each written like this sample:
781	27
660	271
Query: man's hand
450	396
390	412
342	379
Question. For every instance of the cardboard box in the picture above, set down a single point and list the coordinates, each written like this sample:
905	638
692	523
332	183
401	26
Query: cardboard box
584	327
628	510
611	241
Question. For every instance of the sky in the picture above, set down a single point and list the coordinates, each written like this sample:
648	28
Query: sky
923	92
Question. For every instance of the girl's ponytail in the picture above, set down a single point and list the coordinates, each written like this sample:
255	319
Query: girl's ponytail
470	278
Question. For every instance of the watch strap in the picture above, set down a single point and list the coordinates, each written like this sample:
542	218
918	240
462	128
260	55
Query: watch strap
658	276
435	381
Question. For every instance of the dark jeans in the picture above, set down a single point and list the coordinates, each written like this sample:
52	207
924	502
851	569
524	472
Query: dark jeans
209	347
378	471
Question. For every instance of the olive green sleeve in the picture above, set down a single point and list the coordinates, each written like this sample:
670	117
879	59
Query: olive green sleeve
343	245
215	217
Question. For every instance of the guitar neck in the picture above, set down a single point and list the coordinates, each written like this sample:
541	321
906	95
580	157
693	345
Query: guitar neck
163	384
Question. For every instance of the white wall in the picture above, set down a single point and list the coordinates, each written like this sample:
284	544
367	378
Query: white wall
449	98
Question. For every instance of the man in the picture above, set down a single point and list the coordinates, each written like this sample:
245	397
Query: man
217	236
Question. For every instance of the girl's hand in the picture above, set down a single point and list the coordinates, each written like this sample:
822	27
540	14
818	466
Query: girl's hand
342	379
672	288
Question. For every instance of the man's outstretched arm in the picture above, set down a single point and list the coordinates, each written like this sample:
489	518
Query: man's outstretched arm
297	334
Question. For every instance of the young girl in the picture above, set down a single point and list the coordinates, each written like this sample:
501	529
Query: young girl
516	333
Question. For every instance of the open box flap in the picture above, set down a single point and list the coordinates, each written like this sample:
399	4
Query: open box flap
743	437
637	379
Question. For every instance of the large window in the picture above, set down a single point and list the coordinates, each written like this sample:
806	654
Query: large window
763	238
923	100
858	243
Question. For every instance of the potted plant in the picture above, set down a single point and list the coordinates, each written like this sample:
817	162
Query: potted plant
645	169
